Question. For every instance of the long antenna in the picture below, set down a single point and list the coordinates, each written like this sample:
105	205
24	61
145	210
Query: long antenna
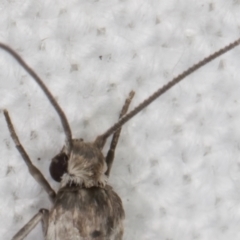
102	138
50	97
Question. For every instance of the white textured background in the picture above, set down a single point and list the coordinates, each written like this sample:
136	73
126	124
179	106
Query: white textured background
177	166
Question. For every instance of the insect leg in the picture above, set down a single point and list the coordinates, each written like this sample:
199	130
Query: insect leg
45	216
111	151
25	230
36	174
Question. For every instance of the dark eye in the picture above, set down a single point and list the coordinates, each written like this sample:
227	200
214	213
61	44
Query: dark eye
58	166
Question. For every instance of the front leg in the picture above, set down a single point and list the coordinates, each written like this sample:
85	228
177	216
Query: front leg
42	215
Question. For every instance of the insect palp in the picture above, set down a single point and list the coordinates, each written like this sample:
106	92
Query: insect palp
37	175
113	145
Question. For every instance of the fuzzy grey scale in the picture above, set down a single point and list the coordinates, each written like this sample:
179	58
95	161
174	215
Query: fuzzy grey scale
86	214
85	207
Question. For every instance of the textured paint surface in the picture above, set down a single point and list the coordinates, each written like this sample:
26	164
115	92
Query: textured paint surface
177	166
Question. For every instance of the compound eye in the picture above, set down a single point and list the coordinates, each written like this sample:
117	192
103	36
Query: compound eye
58	166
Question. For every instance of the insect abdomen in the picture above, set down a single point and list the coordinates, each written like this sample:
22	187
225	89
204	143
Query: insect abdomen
86	214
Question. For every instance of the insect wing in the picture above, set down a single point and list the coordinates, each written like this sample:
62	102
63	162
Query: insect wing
89	214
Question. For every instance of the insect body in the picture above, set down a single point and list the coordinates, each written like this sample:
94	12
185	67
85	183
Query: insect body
85	207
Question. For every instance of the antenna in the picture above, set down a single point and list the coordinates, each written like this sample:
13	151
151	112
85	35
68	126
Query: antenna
102	138
50	97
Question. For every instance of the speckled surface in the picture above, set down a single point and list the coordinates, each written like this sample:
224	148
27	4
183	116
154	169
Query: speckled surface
177	166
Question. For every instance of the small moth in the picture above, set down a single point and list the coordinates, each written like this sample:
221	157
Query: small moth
85	206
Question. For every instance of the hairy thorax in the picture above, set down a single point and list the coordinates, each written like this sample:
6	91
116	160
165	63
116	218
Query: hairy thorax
86	214
86	166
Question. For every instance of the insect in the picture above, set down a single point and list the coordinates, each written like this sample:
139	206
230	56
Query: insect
85	206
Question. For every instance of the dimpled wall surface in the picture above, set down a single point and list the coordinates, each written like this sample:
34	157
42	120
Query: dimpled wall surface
177	166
